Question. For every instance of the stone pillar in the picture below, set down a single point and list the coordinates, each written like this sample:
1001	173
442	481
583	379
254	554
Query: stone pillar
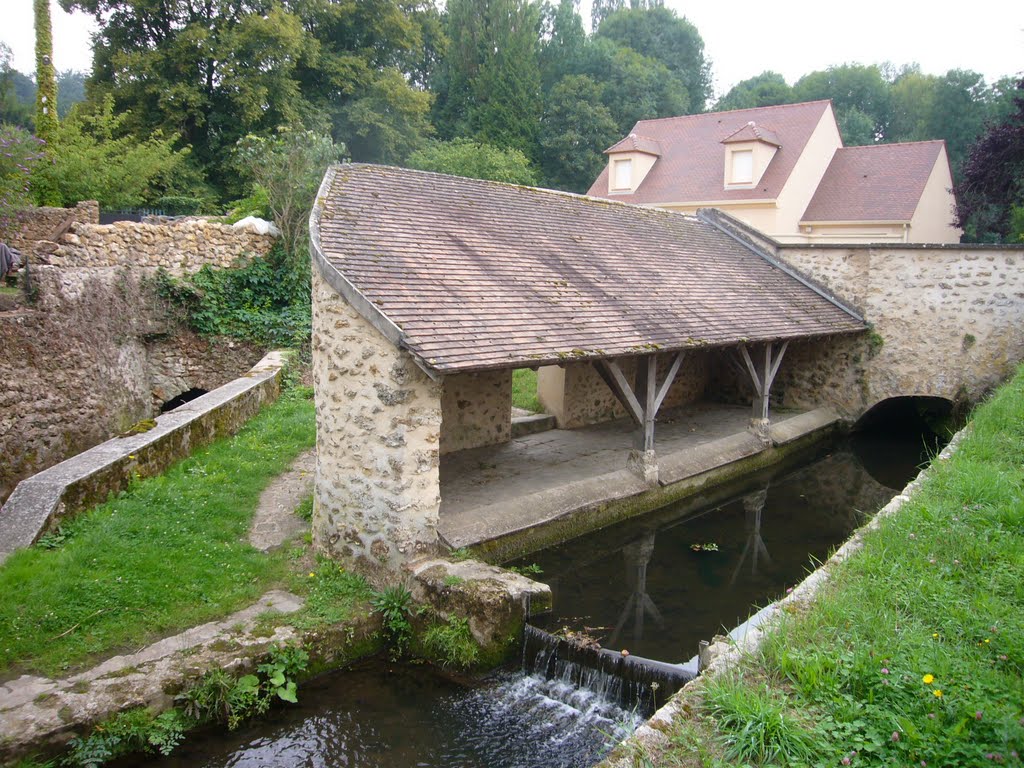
377	494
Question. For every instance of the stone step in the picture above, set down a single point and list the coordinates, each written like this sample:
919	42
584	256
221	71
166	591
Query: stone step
529	425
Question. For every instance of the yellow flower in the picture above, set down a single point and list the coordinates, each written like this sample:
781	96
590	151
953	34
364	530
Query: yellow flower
987	640
935	635
927	679
937	693
311	574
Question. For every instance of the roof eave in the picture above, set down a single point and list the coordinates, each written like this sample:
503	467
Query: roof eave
333	276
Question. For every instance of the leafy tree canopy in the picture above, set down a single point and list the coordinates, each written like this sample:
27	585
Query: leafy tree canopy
990	194
19	152
764	90
850	86
659	34
474	160
575	130
90	159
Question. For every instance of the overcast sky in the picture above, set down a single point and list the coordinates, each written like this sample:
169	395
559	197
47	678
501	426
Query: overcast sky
742	39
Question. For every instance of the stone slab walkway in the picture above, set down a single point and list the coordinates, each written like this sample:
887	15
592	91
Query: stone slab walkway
275	521
490	492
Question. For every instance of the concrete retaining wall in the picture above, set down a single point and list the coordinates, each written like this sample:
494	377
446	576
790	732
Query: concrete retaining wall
90	477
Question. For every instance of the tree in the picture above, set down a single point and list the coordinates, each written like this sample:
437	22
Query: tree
990	193
659	34
289	166
46	80
474	160
562	41
575	130
91	160
764	90
489	87
19	152
849	86
912	96
635	86
959	112
15	100
388	121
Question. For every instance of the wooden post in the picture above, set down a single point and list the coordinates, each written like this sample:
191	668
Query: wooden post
762	380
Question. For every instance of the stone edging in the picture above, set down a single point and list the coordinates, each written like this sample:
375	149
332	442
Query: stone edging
725	653
90	477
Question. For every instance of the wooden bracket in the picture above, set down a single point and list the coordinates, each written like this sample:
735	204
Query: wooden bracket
643	400
764	378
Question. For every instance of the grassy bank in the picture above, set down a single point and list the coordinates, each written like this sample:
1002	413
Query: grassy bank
169	553
524	390
913	653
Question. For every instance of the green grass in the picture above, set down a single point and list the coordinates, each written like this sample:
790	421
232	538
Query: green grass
169	553
913	654
524	390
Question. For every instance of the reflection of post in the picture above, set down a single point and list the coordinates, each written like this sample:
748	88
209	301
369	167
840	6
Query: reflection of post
637	555
753	505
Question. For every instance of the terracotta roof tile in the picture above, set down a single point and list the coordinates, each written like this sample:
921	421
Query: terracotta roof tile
479	274
692	163
634	143
753	132
879	182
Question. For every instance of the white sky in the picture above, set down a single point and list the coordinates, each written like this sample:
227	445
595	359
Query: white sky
742	38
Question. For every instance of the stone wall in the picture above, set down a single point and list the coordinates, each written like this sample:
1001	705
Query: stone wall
35	224
178	246
476	410
948	322
377	496
576	395
94	355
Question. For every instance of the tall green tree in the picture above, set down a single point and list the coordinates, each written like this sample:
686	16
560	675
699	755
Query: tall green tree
562	40
15	108
575	130
659	34
490	86
46	75
474	160
850	86
764	90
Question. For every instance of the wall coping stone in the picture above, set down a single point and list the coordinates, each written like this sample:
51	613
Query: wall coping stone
88	478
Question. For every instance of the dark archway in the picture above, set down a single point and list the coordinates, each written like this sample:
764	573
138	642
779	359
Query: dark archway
899	427
181	399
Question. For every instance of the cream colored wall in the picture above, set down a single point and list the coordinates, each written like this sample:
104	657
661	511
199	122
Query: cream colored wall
642	164
762	156
806	176
933	219
378	422
847	232
476	410
760	215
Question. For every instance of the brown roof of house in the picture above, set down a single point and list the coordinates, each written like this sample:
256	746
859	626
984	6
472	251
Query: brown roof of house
753	132
470	274
879	182
634	143
692	164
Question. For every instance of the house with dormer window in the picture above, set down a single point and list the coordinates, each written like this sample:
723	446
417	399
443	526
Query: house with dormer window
784	170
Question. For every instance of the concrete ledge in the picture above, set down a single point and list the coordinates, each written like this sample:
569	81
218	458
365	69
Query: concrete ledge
90	477
796	427
532	424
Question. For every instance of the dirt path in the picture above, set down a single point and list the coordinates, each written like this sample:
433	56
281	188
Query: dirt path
275	521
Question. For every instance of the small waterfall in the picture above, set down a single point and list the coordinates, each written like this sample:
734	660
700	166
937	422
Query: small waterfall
630	683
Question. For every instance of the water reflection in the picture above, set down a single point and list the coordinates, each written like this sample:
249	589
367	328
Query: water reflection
698	569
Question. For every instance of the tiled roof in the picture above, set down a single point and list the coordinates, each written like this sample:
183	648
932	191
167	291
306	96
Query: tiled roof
753	132
880	182
634	143
692	163
476	274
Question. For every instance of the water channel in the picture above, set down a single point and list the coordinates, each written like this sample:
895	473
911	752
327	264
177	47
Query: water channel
656	585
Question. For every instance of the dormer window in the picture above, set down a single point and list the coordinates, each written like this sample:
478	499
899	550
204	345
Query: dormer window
741	166
622	171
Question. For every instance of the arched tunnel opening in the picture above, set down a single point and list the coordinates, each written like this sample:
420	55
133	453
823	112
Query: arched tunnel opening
899	436
181	399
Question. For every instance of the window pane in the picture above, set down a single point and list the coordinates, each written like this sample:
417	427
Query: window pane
623	174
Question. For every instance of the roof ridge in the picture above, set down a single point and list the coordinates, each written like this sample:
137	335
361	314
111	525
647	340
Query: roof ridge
526	187
893	144
729	111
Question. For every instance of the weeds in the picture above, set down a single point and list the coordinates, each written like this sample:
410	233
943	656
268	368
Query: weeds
394	604
452	643
136	730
